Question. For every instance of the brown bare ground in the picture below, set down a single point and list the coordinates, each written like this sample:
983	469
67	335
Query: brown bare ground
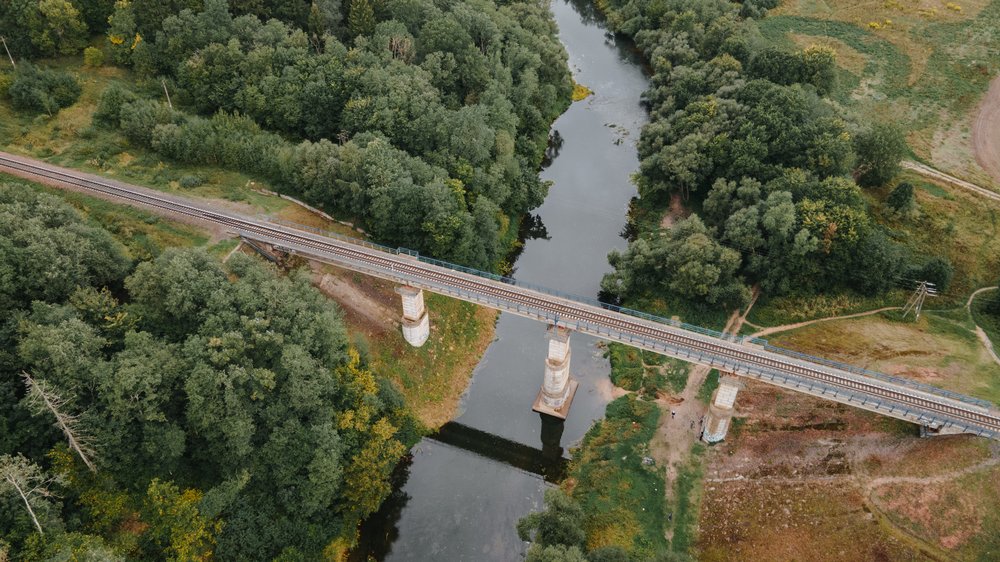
805	479
986	132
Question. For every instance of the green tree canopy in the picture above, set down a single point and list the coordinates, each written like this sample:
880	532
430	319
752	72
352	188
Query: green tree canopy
880	150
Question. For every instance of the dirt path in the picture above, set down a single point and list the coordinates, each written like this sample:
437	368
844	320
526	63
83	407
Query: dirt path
675	212
776	329
680	422
968	303
866	483
938	175
986	132
980	333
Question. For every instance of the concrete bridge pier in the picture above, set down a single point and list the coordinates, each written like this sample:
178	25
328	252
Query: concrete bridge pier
416	326
558	388
720	411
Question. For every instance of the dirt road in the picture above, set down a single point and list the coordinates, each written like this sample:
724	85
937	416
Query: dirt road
938	175
986	132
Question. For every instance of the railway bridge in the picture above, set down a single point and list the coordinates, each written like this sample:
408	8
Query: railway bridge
936	410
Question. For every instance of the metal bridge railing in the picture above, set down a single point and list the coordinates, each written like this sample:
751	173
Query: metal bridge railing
637	314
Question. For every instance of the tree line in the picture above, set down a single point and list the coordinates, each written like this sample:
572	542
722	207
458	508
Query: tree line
177	408
741	131
454	99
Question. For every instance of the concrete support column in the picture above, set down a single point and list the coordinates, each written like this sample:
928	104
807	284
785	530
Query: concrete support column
720	411
416	326
558	388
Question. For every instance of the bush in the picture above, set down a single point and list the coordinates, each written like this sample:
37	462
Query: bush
188	182
113	98
937	270
901	200
38	89
140	118
93	57
6	79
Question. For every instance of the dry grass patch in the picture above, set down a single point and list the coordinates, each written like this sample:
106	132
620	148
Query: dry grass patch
805	479
797	521
953	515
934	350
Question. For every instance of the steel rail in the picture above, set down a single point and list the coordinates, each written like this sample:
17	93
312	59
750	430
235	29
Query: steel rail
569	313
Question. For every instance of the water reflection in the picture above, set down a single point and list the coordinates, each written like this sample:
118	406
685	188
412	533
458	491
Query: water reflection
552	149
468	485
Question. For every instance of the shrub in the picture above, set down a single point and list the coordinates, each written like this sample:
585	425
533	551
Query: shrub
902	200
113	98
937	270
6	79
93	57
140	118
38	89
189	181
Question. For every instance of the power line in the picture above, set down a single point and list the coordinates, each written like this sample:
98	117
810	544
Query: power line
916	302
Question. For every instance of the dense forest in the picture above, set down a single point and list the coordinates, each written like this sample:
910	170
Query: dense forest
426	121
178	408
742	135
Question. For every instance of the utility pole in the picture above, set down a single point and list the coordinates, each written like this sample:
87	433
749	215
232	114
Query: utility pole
916	302
4	41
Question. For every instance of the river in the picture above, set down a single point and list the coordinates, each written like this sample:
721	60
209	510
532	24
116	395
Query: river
462	494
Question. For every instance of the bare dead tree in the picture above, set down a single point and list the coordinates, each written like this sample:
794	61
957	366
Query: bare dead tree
28	480
4	40
43	398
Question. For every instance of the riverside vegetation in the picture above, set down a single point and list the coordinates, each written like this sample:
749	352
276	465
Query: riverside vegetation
784	194
157	404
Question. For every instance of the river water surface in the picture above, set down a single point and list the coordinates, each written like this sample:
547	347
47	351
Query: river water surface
465	489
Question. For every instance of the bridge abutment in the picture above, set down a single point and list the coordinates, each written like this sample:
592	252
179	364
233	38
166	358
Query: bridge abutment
558	388
720	411
416	325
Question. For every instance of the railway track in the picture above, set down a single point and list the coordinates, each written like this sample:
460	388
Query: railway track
913	404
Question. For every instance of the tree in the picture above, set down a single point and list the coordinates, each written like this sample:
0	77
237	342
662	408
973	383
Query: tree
63	30
46	27
47	250
43	90
176	526
28	482
122	31
880	150
937	270
561	524
361	18
44	399
93	57
901	200
555	553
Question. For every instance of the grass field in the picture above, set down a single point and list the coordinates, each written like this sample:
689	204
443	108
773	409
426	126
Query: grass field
939	349
923	64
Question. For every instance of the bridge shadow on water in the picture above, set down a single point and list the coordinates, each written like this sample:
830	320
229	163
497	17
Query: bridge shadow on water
381	529
547	462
